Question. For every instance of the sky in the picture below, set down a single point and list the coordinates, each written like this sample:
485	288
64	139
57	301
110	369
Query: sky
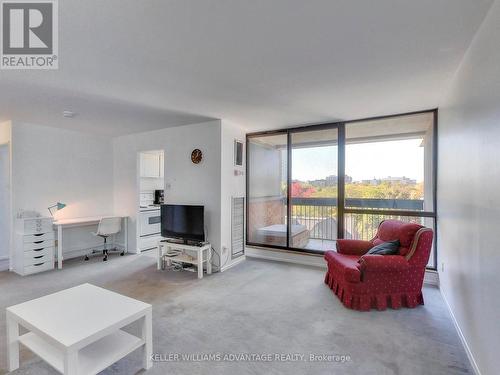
363	161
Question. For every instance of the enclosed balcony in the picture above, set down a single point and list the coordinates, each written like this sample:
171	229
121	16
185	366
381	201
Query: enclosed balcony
307	187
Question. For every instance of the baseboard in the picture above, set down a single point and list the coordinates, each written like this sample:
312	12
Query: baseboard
285	257
472	361
234	263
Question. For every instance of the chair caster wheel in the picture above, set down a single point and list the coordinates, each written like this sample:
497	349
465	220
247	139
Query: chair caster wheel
122	253
105	259
86	258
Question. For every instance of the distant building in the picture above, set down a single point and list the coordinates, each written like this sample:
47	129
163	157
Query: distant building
391	180
318	183
331	180
399	180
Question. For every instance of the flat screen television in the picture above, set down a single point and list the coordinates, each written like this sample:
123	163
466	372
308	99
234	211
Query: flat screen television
183	222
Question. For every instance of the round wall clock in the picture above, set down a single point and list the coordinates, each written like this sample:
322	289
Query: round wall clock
196	156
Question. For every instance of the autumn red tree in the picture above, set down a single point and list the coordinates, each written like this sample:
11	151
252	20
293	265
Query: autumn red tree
299	190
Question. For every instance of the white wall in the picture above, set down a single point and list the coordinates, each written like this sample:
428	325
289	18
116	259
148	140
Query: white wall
185	182
54	165
5	196
231	185
469	195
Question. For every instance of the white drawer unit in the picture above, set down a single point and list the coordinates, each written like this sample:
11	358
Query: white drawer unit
38	267
33	255
34	245
43	257
38	225
39	237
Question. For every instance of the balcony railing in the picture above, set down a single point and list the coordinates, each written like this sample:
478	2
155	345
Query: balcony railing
319	215
378	203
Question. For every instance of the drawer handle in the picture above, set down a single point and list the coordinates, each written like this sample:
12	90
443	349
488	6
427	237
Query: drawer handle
39	234
37	241
40	249
38	257
38	264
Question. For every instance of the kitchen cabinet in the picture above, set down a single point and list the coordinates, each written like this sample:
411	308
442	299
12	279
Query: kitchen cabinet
150	165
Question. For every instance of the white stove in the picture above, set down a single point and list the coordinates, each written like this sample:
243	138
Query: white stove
150	207
149	221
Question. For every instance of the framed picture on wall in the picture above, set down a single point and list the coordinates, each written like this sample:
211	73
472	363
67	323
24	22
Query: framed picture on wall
238	153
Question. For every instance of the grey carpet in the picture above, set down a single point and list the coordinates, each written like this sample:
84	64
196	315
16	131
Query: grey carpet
256	307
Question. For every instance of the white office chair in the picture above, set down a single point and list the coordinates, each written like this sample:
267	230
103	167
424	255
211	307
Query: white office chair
107	227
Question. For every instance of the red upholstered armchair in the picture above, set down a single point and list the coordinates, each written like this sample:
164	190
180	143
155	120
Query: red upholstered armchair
370	281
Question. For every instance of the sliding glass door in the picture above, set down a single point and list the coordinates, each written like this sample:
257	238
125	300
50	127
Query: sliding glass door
309	186
314	189
267	189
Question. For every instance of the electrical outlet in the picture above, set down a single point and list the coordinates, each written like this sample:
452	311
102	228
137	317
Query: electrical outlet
224	249
442	267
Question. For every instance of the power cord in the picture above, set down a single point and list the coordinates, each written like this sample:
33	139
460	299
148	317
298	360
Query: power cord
220	260
218	255
211	255
176	266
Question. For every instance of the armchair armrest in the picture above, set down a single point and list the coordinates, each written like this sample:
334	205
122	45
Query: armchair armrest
383	263
353	247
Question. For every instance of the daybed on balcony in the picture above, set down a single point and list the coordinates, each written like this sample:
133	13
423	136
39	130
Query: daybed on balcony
276	235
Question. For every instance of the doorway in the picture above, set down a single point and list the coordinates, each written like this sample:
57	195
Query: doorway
151	195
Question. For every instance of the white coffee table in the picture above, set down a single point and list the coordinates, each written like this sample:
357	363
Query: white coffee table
78	330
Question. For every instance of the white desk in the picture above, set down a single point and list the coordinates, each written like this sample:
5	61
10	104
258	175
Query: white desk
78	337
164	246
82	222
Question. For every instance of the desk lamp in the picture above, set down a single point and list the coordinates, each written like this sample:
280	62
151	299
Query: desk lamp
58	206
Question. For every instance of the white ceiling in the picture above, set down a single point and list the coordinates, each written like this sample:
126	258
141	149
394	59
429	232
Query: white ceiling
128	66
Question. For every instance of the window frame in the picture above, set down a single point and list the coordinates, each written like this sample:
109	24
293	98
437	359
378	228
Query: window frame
341	209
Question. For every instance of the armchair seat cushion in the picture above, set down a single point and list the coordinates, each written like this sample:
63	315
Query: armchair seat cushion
346	266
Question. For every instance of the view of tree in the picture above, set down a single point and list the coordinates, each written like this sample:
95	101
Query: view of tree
384	190
302	190
362	226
